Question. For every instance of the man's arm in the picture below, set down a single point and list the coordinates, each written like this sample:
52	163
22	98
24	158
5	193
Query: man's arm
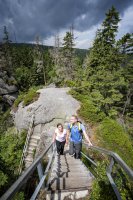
85	134
87	138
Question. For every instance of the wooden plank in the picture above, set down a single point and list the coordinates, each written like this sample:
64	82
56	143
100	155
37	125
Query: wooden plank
69	173
64	183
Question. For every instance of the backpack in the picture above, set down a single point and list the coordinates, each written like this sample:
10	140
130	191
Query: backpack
79	127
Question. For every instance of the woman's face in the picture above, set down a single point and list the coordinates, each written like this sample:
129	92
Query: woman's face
60	128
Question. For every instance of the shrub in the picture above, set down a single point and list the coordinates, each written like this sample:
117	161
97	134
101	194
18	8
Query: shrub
28	97
88	110
11	146
31	96
113	137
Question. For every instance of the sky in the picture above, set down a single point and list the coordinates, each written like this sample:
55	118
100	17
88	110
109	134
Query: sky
26	19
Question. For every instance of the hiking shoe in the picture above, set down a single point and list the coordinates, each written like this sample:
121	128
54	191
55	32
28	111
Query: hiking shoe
72	154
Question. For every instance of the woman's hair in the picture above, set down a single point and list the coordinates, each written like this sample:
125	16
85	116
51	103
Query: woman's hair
59	124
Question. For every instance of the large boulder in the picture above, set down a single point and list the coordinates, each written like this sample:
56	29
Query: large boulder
53	105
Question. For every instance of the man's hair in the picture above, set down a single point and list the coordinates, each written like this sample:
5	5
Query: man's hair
75	116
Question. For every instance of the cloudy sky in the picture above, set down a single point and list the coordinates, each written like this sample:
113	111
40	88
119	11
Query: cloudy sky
26	19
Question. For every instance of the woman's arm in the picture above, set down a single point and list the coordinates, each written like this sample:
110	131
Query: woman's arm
67	136
54	137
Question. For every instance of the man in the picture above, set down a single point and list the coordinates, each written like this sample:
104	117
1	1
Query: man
76	130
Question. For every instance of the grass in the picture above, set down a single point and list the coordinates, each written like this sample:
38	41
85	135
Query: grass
27	97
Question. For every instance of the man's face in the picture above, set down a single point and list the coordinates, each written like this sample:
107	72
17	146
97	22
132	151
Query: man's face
73	120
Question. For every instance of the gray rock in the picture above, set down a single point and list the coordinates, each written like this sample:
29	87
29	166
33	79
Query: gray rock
9	99
6	89
54	105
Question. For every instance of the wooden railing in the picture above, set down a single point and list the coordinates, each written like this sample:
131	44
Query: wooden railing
37	164
24	153
43	174
114	157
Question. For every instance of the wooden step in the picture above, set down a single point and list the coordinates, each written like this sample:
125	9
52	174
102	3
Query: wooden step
29	158
71	174
68	162
68	194
34	140
27	164
67	183
32	144
34	136
64	168
31	148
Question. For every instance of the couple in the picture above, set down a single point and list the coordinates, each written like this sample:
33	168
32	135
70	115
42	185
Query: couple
75	131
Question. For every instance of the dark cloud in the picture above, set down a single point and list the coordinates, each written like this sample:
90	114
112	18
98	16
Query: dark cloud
28	18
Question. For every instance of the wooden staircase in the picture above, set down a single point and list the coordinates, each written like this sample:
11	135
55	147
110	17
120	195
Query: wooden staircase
31	150
69	177
31	143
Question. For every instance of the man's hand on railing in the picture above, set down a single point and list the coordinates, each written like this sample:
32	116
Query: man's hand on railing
89	143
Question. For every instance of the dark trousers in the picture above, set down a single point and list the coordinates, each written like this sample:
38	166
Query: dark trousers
60	147
75	148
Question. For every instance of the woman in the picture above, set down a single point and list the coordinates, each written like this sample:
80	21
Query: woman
60	138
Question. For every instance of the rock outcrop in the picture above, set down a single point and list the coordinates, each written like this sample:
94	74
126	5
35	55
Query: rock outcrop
54	105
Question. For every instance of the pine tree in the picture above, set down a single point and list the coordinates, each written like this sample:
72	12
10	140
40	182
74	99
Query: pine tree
68	53
104	72
38	66
126	48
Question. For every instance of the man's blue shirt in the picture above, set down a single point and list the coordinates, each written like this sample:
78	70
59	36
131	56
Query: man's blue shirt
75	133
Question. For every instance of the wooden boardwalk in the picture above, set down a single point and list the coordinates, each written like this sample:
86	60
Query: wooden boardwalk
69	175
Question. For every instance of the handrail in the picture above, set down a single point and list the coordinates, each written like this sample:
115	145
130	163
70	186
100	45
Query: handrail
25	176
117	158
34	195
26	144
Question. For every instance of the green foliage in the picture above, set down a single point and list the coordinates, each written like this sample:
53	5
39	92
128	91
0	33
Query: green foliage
101	187
88	110
3	178
5	121
19	196
31	96
113	137
32	65
22	77
104	72
28	97
11	145
68	57
70	83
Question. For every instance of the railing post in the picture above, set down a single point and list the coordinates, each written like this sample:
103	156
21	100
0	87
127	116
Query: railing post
40	170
